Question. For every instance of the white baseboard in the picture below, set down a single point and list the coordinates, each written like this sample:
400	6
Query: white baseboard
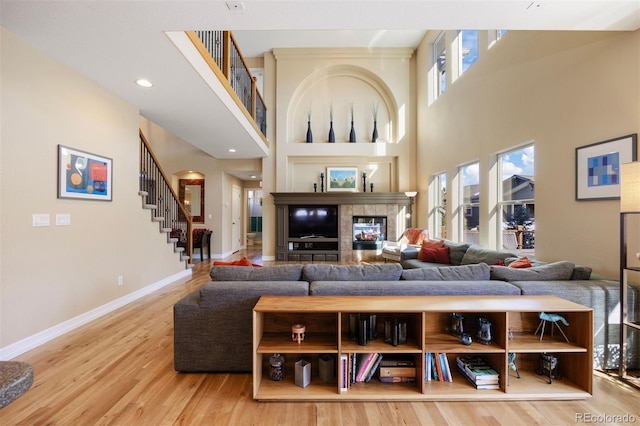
24	345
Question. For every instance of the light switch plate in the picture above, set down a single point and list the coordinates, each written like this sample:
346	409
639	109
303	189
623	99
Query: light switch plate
41	219
63	219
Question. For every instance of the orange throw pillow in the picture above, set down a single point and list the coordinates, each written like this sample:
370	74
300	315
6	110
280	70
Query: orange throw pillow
414	235
522	262
242	262
434	255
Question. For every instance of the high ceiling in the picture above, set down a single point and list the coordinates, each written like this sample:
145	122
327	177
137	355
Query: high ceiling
116	42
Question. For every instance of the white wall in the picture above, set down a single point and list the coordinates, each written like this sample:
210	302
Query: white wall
52	274
561	90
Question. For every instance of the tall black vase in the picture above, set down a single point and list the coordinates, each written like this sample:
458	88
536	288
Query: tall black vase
309	134
374	137
332	136
352	134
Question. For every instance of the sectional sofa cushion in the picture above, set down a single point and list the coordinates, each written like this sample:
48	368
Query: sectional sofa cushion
456	251
478	272
381	272
477	254
547	272
250	273
412	288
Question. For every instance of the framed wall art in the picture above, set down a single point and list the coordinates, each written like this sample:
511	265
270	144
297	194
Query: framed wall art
84	175
342	179
598	167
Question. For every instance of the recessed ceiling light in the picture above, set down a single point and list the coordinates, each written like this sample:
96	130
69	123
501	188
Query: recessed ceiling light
232	150
253	176
143	83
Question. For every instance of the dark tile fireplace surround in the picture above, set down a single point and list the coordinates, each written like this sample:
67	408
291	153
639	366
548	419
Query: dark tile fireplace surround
365	220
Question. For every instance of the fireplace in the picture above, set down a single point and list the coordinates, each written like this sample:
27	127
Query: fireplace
369	232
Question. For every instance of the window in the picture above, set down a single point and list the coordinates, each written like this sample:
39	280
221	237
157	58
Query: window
468	51
470	202
516	198
440	62
494	36
439	188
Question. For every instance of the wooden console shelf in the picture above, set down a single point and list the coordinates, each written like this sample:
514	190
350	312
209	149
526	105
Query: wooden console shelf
514	320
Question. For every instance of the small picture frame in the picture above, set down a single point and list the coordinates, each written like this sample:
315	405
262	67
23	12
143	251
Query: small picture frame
598	167
83	175
342	179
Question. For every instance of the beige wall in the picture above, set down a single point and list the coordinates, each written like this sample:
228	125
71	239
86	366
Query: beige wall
560	90
52	274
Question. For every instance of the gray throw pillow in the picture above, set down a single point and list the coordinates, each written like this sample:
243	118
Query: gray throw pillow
547	272
476	254
456	251
250	273
479	272
381	272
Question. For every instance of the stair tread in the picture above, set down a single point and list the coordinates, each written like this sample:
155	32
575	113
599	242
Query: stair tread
149	206
158	219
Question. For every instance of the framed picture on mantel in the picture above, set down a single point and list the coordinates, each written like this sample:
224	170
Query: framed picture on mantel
342	179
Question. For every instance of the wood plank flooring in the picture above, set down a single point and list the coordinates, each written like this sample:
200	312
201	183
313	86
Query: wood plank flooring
118	370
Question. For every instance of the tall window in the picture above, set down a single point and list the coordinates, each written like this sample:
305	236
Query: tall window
440	205
470	202
516	199
494	35
440	62
468	40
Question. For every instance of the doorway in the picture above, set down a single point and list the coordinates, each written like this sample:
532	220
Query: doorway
235	218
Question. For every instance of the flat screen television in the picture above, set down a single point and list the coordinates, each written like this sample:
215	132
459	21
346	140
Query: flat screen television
313	221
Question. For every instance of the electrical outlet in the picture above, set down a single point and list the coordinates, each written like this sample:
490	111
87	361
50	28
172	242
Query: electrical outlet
120	280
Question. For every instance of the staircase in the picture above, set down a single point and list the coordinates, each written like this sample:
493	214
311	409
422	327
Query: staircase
161	200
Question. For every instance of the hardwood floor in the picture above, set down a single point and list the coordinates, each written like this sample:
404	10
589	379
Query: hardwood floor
118	370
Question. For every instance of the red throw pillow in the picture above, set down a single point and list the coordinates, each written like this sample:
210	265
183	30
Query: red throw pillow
499	263
432	244
522	262
434	255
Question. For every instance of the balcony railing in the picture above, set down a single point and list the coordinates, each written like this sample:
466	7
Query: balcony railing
227	61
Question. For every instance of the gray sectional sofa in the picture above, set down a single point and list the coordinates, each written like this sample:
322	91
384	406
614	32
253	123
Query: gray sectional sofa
213	325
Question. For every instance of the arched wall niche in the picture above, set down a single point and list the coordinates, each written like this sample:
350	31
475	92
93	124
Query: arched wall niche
339	89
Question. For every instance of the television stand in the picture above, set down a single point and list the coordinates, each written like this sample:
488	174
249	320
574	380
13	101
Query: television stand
308	249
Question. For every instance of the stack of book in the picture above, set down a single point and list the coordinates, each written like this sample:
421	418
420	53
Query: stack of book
397	369
437	367
364	366
478	372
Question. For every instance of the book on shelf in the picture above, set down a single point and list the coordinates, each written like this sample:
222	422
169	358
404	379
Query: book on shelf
445	367
397	372
374	368
398	361
478	372
476	367
397	379
344	372
365	363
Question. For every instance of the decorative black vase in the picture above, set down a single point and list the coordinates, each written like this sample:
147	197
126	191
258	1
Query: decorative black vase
332	136
309	134
374	137
352	134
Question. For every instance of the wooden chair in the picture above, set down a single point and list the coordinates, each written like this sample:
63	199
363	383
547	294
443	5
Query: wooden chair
202	240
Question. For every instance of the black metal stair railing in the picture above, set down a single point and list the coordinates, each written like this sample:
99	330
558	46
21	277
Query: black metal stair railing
223	49
169	211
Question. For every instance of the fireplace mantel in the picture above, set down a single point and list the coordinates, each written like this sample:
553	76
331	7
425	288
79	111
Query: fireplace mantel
341	198
393	205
